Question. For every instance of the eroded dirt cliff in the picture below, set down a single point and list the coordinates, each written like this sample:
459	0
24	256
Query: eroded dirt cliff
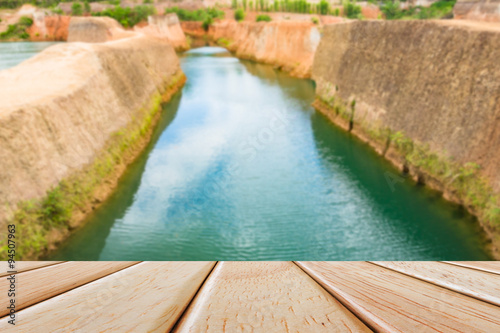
71	105
479	10
166	27
49	27
288	45
430	90
96	30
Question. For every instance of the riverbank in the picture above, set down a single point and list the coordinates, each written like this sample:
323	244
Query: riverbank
58	164
427	101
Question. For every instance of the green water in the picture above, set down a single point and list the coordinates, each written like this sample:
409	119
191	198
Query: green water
241	167
12	54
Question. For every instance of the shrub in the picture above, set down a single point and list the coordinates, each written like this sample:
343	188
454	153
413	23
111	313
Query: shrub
18	30
76	9
128	17
351	10
263	18
86	7
324	7
439	9
391	10
206	24
239	14
25	22
55	210
200	15
315	20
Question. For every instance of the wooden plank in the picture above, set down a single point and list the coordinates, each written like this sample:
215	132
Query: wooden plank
146	297
265	297
392	302
23	266
481	285
485	266
40	284
477	284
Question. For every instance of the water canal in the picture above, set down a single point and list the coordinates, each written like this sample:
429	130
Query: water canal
241	167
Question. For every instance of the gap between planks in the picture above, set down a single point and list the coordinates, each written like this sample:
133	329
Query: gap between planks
485	266
474	283
41	284
24	266
149	296
389	301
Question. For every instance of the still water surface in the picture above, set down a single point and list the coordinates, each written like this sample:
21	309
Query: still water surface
12	54
242	168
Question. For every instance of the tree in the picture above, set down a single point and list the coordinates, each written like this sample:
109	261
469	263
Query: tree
77	9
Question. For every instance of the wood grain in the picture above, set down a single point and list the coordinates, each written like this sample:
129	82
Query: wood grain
485	266
23	266
392	302
477	284
40	284
265	297
147	297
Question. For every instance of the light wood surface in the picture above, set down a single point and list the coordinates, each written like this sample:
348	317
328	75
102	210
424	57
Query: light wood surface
23	266
40	284
265	297
147	297
477	284
393	302
485	266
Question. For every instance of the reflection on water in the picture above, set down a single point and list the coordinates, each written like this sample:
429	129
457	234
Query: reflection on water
242	168
12	54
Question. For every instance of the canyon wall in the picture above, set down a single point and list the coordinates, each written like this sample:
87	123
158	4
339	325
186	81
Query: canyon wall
478	10
166	27
434	82
284	44
95	30
60	109
103	29
49	27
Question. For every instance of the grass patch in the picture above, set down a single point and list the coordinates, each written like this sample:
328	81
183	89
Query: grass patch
224	42
35	220
263	18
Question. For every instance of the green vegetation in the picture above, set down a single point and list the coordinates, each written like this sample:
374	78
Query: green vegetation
18	3
223	42
439	9
207	15
207	23
324	7
200	15
263	18
351	10
299	6
76	9
18	30
239	14
128	17
315	20
37	220
86	7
